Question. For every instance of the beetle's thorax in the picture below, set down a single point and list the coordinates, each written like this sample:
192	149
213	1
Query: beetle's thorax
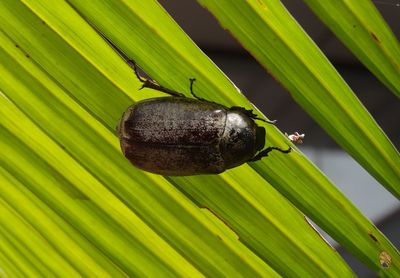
238	143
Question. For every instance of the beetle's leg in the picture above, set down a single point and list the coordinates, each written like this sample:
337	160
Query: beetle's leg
265	152
148	83
250	114
133	65
191	90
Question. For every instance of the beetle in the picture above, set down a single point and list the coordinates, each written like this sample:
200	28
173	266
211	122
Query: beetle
181	136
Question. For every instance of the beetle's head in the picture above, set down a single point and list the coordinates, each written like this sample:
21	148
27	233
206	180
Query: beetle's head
241	140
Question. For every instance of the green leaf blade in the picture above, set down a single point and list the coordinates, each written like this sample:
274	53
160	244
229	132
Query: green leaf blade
281	46
362	29
260	234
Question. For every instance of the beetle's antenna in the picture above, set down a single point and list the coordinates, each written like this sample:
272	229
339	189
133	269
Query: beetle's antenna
265	152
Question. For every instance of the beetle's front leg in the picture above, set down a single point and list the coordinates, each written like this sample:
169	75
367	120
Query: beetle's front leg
250	114
265	152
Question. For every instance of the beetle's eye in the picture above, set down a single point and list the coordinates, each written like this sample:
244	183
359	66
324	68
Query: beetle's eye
260	138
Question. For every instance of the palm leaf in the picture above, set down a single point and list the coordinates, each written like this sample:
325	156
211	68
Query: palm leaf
66	185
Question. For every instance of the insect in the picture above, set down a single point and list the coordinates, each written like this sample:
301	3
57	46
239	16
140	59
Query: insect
181	136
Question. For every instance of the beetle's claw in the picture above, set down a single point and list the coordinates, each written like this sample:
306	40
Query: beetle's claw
287	151
266	151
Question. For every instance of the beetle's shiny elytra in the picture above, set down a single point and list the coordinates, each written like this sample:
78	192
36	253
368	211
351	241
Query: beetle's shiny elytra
180	136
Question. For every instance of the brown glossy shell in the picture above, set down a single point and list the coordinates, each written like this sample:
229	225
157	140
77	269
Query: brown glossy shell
174	136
